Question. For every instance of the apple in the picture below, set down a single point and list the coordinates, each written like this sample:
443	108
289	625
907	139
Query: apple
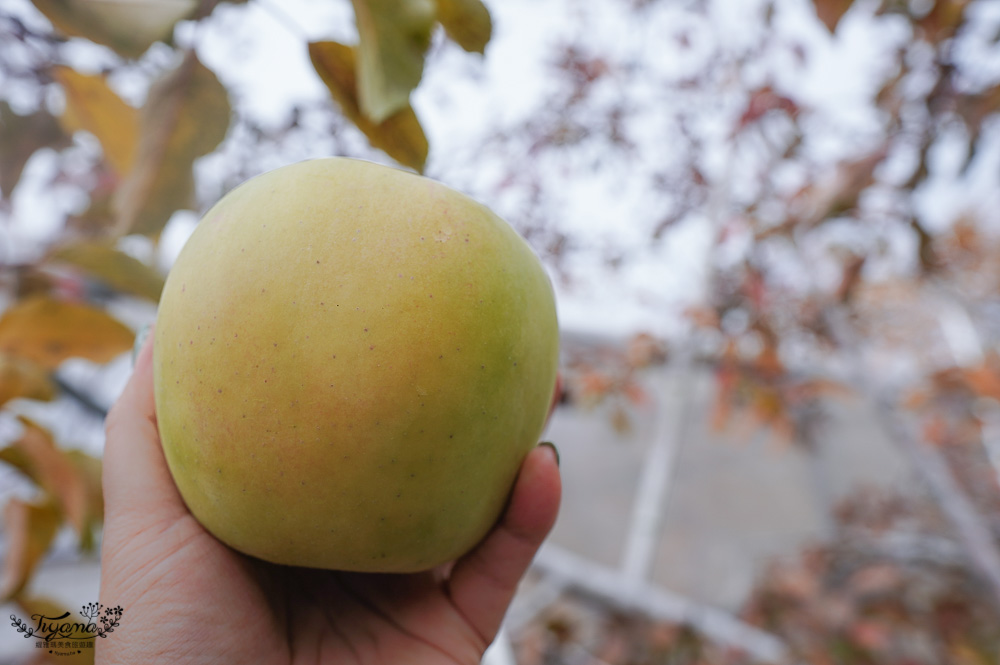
350	364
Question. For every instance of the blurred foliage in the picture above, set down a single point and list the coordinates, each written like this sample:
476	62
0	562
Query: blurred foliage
849	228
54	304
827	280
891	589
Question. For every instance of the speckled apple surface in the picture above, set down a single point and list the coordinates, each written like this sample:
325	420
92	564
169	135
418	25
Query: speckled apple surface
351	363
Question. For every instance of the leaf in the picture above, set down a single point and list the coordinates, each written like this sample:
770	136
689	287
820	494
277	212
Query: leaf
36	455
644	350
100	215
831	11
703	316
467	22
840	193
30	529
762	101
185	116
943	20
20	137
393	37
851	278
115	268
127	26
620	421
23	378
93	107
47	331
399	136
88	468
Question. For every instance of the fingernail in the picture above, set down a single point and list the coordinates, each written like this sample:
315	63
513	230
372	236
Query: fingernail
555	451
140	337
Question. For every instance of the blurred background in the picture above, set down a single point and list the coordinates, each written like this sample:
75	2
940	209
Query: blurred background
774	231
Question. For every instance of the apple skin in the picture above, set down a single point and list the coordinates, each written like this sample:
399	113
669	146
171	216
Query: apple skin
350	364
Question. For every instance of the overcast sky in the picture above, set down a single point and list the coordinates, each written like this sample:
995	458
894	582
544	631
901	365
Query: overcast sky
258	51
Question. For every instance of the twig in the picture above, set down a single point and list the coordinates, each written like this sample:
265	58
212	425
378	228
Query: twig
83	399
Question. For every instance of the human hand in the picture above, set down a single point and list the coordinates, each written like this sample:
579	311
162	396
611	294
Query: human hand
190	599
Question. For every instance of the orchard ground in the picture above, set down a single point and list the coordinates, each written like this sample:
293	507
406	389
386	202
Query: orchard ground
737	500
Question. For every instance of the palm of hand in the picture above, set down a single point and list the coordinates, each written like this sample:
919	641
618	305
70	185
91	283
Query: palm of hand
188	598
216	604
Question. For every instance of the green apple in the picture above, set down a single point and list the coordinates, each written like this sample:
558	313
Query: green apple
351	362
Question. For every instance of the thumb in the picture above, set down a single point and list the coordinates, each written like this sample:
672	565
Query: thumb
137	483
483	582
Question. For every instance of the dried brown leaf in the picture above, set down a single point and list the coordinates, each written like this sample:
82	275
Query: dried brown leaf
763	101
47	331
22	378
831	11
186	115
29	529
88	469
37	456
109	264
94	107
943	20
400	135
467	22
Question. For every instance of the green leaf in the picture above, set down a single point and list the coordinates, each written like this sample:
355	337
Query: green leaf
394	36
93	107
109	264
400	135
47	331
467	22
186	116
20	137
127	26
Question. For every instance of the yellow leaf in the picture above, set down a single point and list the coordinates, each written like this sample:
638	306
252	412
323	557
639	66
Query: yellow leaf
47	331
93	107
88	468
400	136
831	11
23	378
20	137
467	22
30	529
37	456
115	268
127	26
186	115
393	37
